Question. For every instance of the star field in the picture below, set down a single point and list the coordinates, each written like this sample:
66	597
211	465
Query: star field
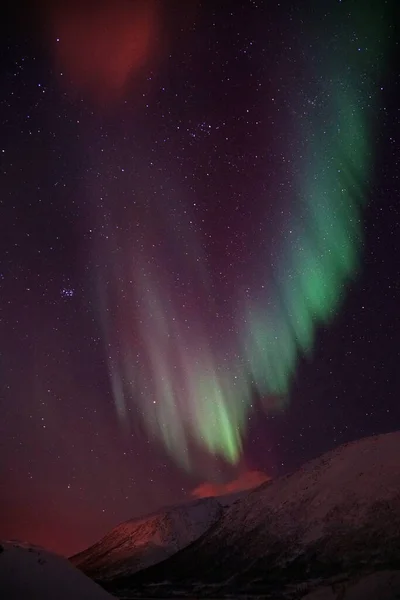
198	251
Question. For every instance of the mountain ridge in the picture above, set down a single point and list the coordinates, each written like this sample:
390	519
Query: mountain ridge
338	513
138	543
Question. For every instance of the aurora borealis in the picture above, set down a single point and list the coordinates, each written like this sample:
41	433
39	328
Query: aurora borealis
191	386
322	251
198	259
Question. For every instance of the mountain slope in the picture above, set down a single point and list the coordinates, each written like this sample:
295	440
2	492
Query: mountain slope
142	542
382	585
31	572
340	512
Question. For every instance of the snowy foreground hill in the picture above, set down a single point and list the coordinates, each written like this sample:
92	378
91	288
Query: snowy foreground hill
142	542
31	573
317	534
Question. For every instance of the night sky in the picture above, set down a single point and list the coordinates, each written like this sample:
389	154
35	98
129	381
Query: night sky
199	250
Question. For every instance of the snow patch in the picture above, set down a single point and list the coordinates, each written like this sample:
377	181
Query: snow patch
28	571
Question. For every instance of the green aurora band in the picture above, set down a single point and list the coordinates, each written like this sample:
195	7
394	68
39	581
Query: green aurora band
321	254
189	392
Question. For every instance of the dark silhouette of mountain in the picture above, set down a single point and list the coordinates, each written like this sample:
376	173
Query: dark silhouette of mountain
139	543
337	516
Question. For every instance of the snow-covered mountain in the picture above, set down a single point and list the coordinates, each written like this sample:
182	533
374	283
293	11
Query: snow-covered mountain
27	571
337	514
139	543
